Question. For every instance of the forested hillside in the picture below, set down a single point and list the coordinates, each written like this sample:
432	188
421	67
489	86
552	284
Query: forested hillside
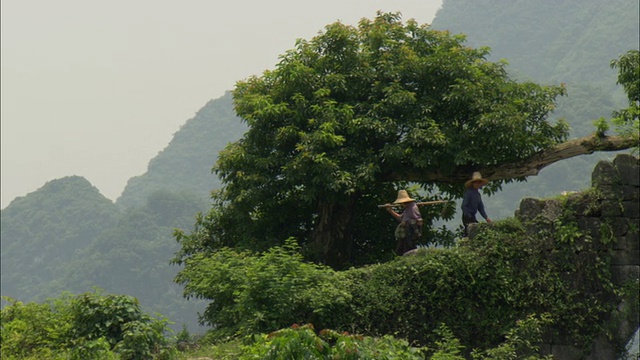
45	231
184	166
550	41
66	237
133	257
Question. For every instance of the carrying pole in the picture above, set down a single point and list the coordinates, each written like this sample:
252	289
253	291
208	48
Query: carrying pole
421	203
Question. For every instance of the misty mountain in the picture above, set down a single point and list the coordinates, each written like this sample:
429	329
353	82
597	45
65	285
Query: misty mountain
184	166
68	237
133	257
549	41
46	230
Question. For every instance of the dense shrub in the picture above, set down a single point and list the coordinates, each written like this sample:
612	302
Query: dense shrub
261	293
301	342
32	330
483	287
480	289
87	326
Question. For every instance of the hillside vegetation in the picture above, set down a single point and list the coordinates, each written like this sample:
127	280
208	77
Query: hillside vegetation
67	236
543	275
45	231
184	166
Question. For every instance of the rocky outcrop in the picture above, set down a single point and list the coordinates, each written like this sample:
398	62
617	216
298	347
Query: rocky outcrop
607	216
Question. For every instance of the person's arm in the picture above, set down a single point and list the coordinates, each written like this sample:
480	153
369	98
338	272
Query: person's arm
394	214
482	211
466	198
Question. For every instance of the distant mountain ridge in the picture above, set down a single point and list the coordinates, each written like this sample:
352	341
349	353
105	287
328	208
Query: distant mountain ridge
184	166
547	40
46	229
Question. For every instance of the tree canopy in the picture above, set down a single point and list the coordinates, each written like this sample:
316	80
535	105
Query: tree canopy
344	111
628	120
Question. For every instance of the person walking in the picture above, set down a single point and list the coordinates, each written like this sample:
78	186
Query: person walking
472	201
410	228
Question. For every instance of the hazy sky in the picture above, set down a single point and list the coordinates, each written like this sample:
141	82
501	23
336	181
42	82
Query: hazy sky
98	88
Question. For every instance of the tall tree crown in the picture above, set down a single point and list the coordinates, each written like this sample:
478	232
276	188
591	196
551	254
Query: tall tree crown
342	112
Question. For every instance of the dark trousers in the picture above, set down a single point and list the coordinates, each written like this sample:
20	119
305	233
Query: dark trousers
409	241
466	220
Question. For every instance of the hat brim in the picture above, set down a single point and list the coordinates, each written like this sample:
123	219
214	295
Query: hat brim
470	182
403	200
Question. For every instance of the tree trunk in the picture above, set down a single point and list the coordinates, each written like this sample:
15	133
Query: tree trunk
519	169
332	234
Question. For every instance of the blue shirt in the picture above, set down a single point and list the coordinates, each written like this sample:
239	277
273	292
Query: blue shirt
472	203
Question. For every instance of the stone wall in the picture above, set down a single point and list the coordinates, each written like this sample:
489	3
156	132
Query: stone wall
610	209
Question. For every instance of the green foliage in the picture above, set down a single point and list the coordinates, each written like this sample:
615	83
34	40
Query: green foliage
478	290
628	66
627	120
99	349
86	326
301	342
483	291
264	292
118	319
34	330
448	348
521	341
292	343
601	126
347	108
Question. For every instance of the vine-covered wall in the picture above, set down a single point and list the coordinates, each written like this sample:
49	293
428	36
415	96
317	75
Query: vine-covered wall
603	220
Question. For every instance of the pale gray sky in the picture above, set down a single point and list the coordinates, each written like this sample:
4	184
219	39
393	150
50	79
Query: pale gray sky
98	88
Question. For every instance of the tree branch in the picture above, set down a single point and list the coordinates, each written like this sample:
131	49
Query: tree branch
520	169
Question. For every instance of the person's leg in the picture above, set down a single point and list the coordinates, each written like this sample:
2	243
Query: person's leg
466	220
412	237
400	247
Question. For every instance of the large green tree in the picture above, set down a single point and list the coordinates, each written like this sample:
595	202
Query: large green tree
353	114
628	120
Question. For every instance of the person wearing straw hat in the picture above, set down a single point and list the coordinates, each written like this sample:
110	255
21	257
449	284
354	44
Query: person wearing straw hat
410	228
472	201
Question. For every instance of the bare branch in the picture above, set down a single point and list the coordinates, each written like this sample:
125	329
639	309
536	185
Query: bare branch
524	168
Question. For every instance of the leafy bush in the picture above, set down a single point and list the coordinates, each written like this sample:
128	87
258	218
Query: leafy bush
118	319
87	326
521	341
480	289
473	292
301	342
34	330
264	292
